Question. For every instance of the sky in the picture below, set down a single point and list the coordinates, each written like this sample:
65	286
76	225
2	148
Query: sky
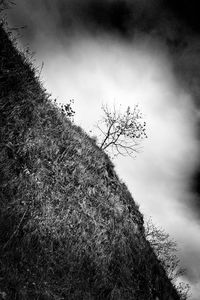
128	52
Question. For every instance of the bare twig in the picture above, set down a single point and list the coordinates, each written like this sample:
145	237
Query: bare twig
14	233
122	131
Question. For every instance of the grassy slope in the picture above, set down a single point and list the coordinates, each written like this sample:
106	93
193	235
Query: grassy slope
69	228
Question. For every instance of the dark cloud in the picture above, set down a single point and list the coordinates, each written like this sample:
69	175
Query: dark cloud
108	16
194	187
125	16
120	17
185	47
186	11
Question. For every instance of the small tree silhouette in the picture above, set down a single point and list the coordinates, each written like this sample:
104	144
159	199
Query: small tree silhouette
122	131
166	251
67	109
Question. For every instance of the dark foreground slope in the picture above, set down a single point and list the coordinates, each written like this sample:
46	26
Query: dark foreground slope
69	228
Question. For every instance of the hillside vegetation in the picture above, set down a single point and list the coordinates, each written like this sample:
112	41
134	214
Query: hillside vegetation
69	228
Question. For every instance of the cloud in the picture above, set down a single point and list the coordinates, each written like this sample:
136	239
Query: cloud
186	12
114	16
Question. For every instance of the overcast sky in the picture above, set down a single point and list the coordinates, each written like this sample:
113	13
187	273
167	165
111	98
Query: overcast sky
125	52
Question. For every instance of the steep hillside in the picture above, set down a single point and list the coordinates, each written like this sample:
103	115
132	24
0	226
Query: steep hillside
69	228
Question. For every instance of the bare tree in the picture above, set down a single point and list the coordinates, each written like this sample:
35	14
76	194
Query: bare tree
165	249
122	131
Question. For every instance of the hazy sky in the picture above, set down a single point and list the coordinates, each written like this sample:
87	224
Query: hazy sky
125	52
